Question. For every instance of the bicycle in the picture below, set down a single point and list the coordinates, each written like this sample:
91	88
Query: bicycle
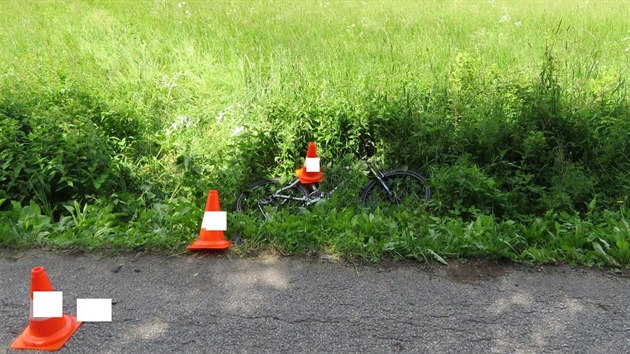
395	186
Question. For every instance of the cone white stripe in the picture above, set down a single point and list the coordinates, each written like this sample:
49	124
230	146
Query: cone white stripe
47	304
94	310
312	164
214	221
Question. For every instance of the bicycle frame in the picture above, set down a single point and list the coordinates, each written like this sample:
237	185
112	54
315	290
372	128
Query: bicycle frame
316	195
379	176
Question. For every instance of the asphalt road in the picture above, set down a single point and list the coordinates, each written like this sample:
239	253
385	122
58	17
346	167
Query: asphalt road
212	303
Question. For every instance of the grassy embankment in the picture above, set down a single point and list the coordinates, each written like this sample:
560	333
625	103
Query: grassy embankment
117	117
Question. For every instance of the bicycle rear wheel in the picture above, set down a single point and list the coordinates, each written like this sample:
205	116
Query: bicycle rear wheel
407	187
257	200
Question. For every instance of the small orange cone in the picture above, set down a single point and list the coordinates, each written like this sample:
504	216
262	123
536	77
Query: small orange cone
210	239
310	177
45	333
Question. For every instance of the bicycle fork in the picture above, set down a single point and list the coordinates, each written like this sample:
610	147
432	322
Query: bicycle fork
379	176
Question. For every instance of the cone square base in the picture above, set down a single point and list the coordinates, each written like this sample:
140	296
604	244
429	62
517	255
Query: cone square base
209	245
308	177
51	343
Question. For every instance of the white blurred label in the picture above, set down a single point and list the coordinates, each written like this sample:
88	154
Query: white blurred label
214	221
94	310
47	304
312	164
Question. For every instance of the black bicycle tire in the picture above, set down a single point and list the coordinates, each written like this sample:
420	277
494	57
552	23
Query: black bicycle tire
392	174
244	193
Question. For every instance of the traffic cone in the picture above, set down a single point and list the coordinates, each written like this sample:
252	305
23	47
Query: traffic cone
306	176
45	333
210	239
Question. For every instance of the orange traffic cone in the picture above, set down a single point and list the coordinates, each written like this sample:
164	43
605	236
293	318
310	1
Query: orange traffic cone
45	333
210	239
306	176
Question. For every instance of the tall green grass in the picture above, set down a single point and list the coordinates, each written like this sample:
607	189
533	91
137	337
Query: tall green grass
160	57
117	116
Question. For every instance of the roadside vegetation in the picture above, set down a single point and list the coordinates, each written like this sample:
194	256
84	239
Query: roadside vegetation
117	117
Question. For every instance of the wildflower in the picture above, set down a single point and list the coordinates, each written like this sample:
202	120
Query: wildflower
237	130
181	119
185	121
518	24
505	18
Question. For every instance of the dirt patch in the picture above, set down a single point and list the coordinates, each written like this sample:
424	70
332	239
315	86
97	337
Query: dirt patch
476	270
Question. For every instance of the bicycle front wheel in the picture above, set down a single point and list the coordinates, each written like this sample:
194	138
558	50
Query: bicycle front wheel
406	187
258	199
